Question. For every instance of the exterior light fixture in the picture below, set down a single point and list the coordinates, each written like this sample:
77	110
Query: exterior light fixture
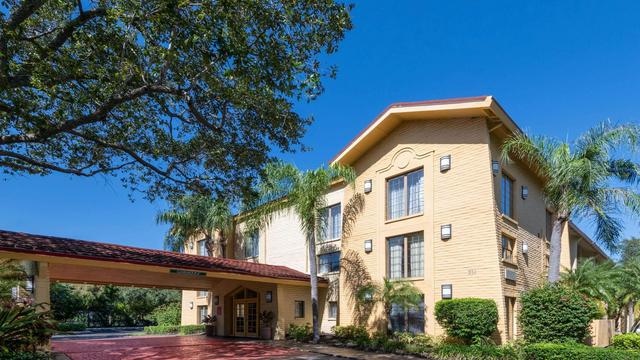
445	163
191	245
368	296
216	300
525	248
446	291
525	192
30	285
368	246
368	186
268	297
191	305
495	167
445	232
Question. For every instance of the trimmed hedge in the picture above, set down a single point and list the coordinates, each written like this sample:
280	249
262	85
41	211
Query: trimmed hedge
629	341
474	352
552	351
167	314
69	326
300	332
351	333
554	313
174	329
24	355
467	318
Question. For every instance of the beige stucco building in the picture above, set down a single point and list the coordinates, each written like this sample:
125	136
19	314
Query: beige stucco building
440	208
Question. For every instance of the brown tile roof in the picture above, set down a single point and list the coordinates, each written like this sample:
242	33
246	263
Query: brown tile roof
57	246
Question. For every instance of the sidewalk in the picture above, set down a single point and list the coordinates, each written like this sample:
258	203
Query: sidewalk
348	353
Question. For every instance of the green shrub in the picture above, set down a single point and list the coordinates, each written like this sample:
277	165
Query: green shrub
554	313
22	355
351	333
467	318
567	351
167	314
23	328
70	326
300	332
629	341
474	352
174	329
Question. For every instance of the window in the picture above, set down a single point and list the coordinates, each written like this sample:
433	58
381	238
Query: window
202	313
405	195
508	244
202	294
329	262
331	227
405	256
507	196
252	246
202	247
411	320
549	224
509	305
333	310
299	309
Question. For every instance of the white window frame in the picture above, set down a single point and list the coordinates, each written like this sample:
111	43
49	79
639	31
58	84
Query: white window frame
325	233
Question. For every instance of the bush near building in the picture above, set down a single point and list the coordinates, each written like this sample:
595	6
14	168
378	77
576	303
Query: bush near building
468	319
174	329
554	313
629	341
573	351
168	314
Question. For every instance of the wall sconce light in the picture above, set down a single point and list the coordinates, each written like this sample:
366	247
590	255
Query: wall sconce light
191	245
368	246
368	186
525	248
495	167
268	297
216	300
30	285
445	163
445	232
525	192
368	296
446	291
191	305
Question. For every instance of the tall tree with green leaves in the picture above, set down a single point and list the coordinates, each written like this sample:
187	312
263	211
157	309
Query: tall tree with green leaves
195	217
585	179
167	96
286	188
391	292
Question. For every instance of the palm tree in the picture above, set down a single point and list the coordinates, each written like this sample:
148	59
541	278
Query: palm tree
193	216
578	179
286	188
592	279
11	275
401	293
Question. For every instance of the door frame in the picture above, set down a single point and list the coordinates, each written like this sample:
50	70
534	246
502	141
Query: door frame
246	302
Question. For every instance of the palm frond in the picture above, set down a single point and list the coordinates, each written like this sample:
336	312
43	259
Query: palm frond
534	151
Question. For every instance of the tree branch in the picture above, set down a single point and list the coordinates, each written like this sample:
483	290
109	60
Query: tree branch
49	166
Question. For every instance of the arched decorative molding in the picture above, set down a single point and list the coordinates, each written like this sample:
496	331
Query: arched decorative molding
402	159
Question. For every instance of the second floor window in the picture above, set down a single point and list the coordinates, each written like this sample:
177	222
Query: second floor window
405	195
252	246
202	293
329	262
405	256
507	195
202	247
508	244
331	226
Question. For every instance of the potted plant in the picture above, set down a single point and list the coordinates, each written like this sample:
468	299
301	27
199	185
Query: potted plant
266	320
209	322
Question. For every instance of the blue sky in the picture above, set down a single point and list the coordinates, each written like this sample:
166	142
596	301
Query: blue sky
557	69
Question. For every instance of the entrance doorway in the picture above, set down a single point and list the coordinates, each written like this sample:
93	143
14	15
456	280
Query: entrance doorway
245	313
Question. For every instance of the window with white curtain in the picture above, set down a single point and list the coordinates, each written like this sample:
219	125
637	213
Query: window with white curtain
331	223
252	246
405	195
409	263
202	247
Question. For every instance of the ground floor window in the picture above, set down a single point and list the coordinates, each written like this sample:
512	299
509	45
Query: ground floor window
202	313
299	309
509	307
411	320
333	310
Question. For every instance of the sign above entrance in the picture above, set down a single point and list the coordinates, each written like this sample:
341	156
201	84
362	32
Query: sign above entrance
187	272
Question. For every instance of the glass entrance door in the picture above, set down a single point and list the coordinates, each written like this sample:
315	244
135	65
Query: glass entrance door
245	313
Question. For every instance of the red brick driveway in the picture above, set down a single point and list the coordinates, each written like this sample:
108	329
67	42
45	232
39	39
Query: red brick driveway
173	347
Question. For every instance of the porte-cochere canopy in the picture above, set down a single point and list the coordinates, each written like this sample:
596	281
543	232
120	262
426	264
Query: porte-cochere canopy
73	254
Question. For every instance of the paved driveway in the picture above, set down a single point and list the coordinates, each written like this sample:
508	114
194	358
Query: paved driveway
176	347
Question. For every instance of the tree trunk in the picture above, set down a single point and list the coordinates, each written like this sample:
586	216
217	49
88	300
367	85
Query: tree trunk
387	310
555	249
314	285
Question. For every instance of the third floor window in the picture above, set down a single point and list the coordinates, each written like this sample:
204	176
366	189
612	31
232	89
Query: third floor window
331	226
506	189
405	195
